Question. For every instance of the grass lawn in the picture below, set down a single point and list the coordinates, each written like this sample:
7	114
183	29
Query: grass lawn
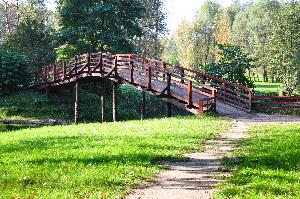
267	87
96	160
267	166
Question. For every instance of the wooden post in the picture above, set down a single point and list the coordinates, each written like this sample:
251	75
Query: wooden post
164	75
102	99
190	94
182	75
131	71
46	93
250	96
89	63
53	72
143	101
116	65
200	106
76	102
76	65
101	63
214	95
64	69
169	105
149	77
45	74
114	102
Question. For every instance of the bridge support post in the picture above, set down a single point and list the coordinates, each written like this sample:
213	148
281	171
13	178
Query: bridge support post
143	101
76	102
46	93
168	109
114	101
102	99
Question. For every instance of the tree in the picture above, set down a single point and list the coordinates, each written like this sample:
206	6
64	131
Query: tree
93	25
13	71
34	40
183	41
233	65
285	42
170	53
153	27
203	31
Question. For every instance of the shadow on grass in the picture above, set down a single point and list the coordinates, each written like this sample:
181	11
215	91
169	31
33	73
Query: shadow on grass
9	127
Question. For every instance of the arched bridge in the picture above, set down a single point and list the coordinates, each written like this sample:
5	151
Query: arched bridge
186	88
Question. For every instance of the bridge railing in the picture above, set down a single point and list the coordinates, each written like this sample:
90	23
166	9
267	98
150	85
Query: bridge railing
185	88
194	82
235	94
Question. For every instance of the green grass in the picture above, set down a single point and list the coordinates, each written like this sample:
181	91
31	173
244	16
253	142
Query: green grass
267	88
96	160
267	164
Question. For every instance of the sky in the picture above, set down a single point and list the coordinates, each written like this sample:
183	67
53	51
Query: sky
177	10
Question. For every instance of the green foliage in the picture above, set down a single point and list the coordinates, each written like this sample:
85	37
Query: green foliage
233	65
266	165
100	25
34	40
13	71
96	160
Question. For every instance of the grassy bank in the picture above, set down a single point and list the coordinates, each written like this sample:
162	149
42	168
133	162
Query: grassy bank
268	165
96	160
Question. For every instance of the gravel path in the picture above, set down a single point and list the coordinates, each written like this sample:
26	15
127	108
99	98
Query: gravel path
198	177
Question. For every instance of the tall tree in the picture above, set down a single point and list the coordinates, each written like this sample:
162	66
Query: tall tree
203	30
105	25
154	27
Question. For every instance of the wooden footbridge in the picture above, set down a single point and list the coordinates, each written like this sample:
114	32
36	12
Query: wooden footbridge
188	89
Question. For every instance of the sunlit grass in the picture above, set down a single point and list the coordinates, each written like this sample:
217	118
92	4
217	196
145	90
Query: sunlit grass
268	165
267	87
96	160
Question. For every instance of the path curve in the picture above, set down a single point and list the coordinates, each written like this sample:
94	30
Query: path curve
198	177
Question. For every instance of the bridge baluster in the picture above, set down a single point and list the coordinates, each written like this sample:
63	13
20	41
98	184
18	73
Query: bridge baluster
190	93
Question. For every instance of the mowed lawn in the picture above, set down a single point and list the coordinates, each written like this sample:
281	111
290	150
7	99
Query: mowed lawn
268	164
267	87
96	160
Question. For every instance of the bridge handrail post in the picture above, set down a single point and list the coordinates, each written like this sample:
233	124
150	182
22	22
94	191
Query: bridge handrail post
169	84
182	75
149	75
164	67
64	66
76	65
131	69
89	63
45	74
250	96
190	93
116	65
54	72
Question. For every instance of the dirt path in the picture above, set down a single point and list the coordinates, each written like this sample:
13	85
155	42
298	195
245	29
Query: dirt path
198	177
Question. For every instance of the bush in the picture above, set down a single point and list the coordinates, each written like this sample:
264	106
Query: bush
13	71
233	65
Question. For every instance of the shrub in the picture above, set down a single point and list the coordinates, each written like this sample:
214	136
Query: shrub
13	71
233	65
